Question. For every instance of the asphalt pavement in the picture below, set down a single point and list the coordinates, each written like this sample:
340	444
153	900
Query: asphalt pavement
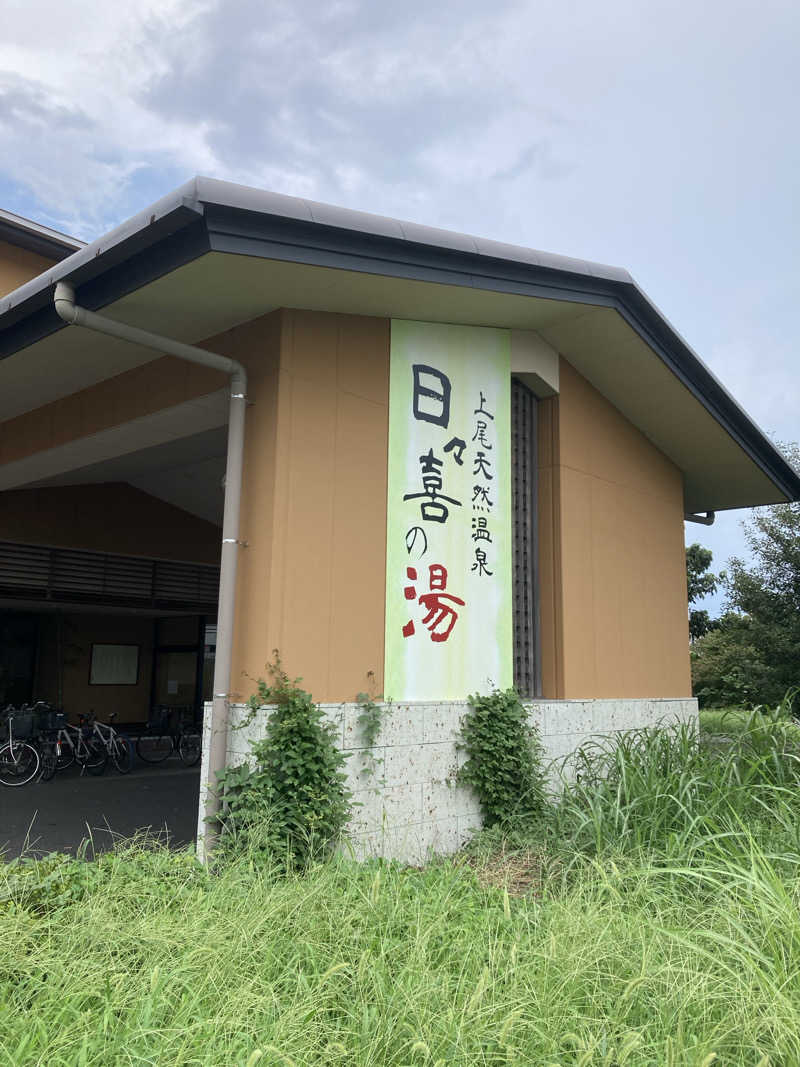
57	816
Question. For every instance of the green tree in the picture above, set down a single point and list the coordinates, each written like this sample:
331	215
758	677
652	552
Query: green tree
727	667
700	582
754	656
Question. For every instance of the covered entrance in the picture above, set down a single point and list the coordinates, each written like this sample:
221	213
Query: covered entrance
101	634
109	576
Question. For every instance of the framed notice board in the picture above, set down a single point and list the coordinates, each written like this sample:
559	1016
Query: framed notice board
114	665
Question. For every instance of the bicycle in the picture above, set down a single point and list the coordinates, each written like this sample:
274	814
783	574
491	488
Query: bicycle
117	747
19	759
64	744
161	738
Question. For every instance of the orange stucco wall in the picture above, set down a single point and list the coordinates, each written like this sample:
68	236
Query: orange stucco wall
18	266
312	580
612	568
112	517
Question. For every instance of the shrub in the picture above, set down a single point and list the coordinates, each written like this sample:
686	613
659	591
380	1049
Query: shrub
291	802
504	759
728	668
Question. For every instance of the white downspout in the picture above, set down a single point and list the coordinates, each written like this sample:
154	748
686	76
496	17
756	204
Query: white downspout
75	315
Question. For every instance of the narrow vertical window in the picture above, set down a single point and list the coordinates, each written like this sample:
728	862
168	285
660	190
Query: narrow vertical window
527	675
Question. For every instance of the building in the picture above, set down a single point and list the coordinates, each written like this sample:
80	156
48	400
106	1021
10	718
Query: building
465	464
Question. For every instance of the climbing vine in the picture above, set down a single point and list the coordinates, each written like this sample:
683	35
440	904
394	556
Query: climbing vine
371	719
290	801
504	762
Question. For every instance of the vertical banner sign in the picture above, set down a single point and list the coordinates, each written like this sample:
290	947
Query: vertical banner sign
448	577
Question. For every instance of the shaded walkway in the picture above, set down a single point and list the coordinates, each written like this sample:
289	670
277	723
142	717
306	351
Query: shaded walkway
56	816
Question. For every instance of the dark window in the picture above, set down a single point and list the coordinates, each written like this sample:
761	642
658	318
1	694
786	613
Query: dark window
527	675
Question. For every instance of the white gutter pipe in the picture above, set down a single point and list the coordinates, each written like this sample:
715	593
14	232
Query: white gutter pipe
75	315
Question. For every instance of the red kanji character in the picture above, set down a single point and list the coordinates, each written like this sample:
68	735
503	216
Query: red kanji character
410	594
438	576
410	591
438	611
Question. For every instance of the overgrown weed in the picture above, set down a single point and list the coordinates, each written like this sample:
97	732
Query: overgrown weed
649	918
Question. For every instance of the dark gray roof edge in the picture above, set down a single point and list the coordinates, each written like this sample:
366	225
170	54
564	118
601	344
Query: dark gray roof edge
262	202
92	258
35	237
655	328
415	244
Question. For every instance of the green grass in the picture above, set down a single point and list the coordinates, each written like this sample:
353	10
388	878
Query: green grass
653	919
733	721
724	720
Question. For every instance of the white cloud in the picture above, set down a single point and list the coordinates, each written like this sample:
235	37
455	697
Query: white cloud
656	136
73	130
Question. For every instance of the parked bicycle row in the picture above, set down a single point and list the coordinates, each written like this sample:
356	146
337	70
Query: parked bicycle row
37	741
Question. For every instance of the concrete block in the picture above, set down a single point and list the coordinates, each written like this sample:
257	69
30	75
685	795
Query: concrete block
363	846
402	805
442	722
568	717
365	768
402	724
384	809
611	715
441	838
554	746
351	732
667	712
468	826
407	844
559	750
536	714
406	764
443	801
367	812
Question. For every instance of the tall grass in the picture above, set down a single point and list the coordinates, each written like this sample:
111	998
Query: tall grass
665	791
672	936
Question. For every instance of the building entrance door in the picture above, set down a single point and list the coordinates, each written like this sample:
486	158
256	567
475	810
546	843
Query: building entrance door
178	654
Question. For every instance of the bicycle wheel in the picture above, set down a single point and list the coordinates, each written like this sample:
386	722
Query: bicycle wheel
48	761
189	749
19	763
154	748
122	754
93	756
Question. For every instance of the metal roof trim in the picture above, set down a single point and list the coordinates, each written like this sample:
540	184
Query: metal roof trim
35	237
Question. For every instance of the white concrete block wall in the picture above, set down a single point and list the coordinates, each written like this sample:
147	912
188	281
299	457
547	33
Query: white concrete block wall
407	802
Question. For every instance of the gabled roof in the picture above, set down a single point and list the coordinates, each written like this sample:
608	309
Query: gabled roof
34	237
212	254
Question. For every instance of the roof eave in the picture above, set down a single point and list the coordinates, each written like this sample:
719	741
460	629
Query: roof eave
205	214
33	237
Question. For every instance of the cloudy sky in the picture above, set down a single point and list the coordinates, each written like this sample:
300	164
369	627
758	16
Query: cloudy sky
658	136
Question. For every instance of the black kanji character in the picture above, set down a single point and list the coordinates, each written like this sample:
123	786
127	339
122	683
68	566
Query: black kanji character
480	563
482	465
482	411
456	446
439	397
